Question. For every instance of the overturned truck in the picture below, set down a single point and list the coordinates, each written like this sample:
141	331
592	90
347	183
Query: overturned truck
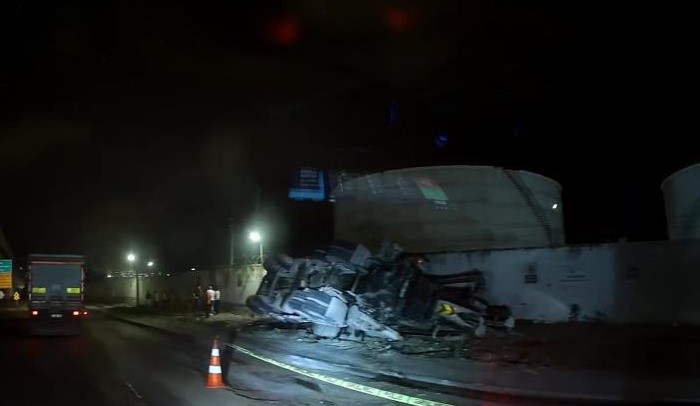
344	291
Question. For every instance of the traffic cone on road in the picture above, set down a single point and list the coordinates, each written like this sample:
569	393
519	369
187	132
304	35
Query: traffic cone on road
214	379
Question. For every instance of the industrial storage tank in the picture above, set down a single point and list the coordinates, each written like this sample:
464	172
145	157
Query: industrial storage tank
682	200
450	208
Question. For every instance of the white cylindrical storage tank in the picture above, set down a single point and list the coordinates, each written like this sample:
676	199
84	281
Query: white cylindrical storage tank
682	200
451	208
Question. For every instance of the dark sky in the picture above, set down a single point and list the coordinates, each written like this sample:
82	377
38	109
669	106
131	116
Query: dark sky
146	125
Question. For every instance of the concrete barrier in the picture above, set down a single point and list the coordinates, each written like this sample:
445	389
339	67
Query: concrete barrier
628	282
235	283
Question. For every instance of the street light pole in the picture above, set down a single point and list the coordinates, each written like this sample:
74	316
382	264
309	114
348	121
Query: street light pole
231	242
255	236
138	291
131	258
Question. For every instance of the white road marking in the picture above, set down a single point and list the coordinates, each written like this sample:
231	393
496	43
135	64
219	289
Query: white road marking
530	371
380	393
133	390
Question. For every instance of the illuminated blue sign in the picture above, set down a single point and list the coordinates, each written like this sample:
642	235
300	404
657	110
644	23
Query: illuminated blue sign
308	184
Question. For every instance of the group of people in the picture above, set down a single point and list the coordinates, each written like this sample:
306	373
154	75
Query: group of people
160	299
209	300
206	300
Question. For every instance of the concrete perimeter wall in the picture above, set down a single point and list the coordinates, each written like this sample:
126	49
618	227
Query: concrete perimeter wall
236	284
640	282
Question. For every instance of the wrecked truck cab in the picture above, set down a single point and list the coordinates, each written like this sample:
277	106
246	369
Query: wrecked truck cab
343	291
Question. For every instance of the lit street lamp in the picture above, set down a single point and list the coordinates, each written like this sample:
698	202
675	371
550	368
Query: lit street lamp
131	257
150	264
255	236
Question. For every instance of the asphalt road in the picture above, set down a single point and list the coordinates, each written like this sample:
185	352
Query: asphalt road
115	363
110	363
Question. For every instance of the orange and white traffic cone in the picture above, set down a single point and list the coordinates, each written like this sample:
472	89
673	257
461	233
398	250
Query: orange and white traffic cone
214	379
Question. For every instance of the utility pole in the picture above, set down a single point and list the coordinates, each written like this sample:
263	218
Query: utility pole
261	253
257	201
231	257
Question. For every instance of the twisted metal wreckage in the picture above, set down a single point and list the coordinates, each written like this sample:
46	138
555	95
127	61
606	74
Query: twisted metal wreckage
343	291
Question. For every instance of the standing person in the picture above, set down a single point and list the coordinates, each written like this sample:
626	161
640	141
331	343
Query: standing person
149	299
210	300
217	300
164	299
156	299
201	294
196	298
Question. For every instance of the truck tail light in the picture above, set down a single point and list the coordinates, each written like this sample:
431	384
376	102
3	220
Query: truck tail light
35	312
84	312
76	313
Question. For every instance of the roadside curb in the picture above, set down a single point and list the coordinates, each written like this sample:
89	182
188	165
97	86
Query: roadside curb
411	380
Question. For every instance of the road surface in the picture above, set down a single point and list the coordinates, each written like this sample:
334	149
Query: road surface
115	363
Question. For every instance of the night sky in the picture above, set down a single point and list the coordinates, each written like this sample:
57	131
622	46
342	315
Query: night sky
139	125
